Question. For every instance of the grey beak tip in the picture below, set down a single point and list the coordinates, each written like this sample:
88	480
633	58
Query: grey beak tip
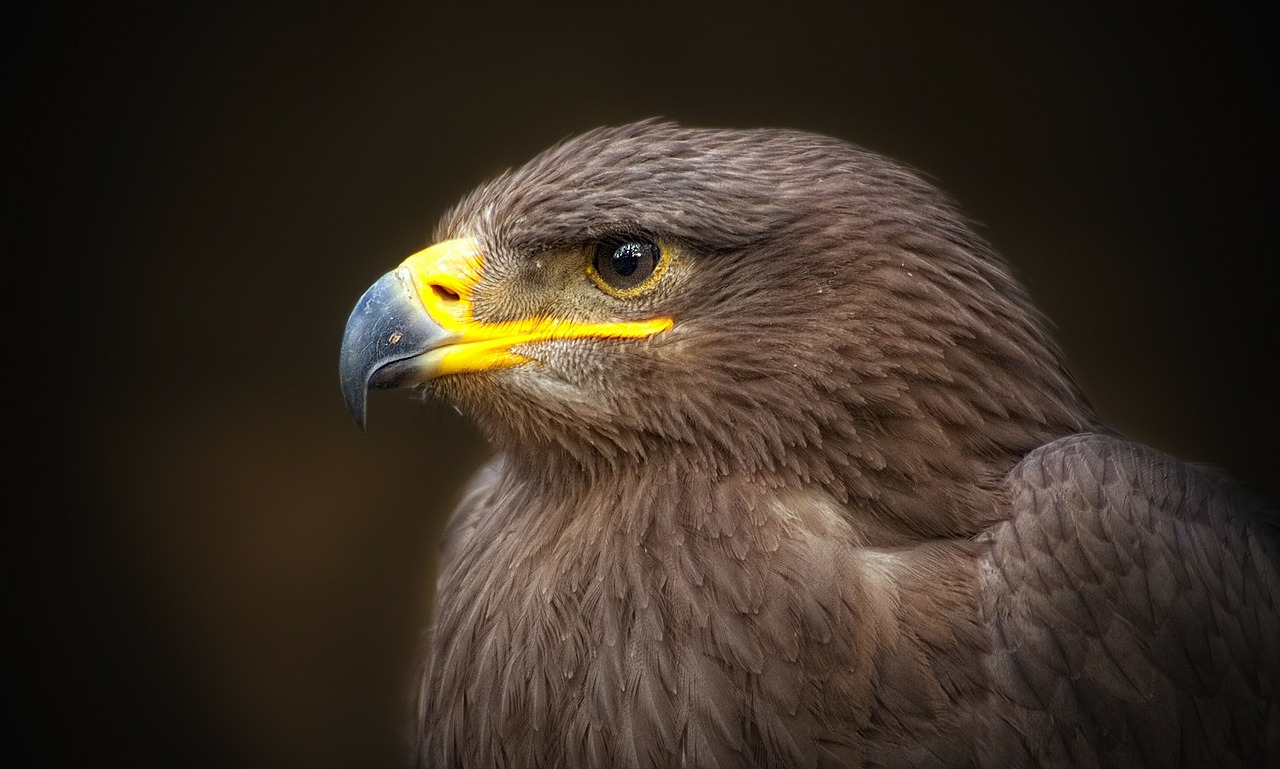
356	398
386	331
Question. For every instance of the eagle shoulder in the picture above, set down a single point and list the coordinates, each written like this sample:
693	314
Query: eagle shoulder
1134	606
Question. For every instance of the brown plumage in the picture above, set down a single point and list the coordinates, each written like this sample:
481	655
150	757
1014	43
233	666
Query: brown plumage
846	508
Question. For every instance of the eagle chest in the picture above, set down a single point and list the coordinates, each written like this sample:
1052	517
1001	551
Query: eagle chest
604	641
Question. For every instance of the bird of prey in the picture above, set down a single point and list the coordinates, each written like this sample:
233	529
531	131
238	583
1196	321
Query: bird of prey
789	472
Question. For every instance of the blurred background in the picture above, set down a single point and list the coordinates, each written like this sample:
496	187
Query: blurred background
208	564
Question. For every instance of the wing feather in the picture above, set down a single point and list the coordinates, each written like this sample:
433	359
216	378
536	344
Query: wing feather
1134	602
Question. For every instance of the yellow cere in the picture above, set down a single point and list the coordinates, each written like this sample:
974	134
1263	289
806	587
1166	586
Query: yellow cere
445	275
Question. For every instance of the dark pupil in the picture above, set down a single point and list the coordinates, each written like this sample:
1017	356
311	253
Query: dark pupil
626	260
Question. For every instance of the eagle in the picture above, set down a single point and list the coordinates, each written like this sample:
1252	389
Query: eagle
789	471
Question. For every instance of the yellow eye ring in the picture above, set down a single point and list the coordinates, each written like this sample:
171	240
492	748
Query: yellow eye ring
626	266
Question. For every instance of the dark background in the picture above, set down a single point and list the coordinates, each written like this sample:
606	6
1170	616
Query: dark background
209	565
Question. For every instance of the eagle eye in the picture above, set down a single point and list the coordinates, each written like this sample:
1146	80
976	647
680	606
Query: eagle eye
627	265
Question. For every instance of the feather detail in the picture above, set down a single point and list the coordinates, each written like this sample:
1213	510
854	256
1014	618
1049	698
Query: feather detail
850	510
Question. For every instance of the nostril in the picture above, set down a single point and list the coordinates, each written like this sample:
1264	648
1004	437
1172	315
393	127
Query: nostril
444	294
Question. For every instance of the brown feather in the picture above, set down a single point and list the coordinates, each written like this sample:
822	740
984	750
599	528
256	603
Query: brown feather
851	510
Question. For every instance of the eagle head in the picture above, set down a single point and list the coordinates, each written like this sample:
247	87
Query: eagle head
770	303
